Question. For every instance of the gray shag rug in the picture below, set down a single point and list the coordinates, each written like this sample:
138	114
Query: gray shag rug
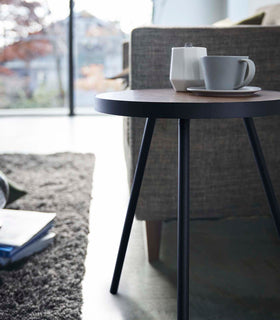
47	286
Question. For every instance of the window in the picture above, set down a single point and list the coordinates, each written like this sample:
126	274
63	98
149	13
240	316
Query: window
33	55
40	64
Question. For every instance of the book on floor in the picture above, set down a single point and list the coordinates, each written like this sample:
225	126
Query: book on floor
24	233
28	250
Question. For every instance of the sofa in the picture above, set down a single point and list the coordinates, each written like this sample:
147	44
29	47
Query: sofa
224	179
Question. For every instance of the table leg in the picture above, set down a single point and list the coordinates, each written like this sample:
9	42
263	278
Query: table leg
260	161
183	220
136	185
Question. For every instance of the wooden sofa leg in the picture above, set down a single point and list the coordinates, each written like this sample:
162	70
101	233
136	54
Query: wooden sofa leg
153	233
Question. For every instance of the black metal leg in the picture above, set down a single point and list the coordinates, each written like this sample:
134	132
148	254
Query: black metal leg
259	157
138	176
183	220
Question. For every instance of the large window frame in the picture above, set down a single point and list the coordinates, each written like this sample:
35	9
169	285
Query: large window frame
71	62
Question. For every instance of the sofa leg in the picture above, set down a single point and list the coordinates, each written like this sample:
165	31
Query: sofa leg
153	233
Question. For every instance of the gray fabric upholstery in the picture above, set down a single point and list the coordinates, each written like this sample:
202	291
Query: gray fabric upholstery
224	179
125	48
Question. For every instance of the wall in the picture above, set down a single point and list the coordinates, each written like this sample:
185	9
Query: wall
240	9
204	12
188	12
254	4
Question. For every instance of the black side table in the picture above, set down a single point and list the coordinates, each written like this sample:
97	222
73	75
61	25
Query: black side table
166	103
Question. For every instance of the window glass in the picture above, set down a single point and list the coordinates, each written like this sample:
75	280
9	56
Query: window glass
101	28
33	54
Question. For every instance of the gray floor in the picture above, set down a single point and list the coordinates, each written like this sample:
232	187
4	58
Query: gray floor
235	274
235	263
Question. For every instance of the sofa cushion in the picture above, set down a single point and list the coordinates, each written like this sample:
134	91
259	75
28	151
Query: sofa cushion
256	19
227	22
272	15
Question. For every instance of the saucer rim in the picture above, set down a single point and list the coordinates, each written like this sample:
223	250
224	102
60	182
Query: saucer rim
249	89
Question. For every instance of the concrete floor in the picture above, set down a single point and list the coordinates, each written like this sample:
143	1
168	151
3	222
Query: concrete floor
235	263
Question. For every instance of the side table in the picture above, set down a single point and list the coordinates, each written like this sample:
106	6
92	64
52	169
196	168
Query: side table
166	103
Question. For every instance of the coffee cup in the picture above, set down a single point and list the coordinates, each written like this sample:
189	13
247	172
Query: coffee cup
227	72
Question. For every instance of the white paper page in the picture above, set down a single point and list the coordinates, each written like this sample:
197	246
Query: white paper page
20	226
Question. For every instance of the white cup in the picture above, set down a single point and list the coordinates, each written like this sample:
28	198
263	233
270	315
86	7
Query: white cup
185	67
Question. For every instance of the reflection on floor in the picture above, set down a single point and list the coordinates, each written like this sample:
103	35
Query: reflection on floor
235	274
235	263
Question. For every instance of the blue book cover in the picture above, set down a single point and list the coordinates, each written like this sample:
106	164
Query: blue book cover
34	247
5	250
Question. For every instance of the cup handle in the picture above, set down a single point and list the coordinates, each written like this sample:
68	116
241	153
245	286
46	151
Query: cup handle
250	75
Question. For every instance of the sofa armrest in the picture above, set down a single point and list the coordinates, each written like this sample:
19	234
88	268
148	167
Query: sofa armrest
125	53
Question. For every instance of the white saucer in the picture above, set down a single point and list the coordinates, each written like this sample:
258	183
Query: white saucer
242	92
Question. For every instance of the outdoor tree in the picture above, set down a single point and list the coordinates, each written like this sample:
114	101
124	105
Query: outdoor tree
20	18
56	35
21	24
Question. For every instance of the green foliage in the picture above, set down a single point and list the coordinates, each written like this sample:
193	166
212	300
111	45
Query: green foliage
42	98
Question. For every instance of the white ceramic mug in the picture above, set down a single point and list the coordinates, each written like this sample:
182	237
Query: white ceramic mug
185	67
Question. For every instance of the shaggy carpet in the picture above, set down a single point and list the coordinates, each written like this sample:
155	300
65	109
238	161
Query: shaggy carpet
47	286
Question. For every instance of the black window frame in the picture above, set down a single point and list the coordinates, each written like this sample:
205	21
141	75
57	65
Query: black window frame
71	66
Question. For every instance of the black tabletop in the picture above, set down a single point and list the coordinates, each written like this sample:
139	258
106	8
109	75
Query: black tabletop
166	103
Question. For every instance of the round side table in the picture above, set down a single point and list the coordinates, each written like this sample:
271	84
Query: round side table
166	103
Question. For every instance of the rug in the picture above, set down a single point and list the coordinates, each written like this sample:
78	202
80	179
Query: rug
47	286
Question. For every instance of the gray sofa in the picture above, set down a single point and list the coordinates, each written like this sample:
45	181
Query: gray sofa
224	178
